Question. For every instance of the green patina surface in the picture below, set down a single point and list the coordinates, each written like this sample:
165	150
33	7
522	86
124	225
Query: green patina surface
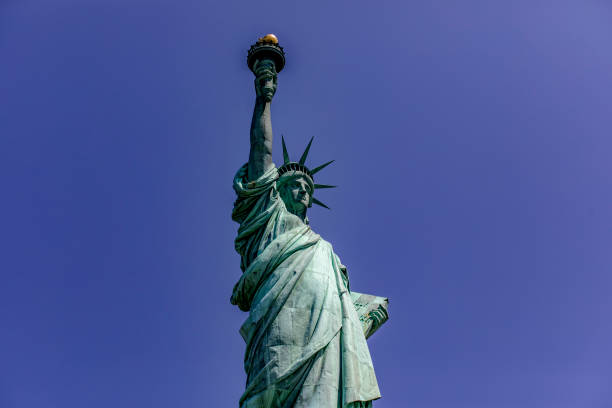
306	331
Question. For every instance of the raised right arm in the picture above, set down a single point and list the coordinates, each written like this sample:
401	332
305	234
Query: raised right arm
260	156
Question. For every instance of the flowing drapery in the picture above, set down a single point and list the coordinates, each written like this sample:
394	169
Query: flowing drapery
304	342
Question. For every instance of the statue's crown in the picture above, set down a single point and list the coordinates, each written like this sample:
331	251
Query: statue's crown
300	167
267	47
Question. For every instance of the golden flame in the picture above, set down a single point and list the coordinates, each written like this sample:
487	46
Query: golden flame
268	38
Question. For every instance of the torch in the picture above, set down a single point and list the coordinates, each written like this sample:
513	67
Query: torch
266	48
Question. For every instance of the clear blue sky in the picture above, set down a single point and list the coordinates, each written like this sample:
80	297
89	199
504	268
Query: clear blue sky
473	153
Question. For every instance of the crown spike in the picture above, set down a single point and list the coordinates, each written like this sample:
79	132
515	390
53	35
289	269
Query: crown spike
316	186
321	167
285	153
305	154
317	202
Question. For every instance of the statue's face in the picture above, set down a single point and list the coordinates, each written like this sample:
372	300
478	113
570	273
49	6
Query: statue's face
296	194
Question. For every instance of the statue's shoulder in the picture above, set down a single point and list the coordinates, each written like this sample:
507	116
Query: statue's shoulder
243	185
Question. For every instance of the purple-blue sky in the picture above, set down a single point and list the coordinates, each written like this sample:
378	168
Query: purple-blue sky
472	146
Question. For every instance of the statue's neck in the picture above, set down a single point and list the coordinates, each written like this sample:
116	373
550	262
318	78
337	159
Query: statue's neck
300	214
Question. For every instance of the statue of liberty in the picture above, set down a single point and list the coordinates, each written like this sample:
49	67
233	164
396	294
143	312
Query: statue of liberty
306	331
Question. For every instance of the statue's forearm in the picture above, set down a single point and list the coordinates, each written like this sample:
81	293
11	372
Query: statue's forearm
260	156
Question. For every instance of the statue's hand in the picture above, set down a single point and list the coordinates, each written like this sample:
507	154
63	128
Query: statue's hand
265	79
379	316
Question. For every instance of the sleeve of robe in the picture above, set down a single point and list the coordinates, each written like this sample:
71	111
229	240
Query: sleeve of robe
257	203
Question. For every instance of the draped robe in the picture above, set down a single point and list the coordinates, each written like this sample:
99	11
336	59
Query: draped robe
305	345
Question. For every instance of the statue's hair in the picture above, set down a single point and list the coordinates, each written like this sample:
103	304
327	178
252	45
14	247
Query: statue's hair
291	175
